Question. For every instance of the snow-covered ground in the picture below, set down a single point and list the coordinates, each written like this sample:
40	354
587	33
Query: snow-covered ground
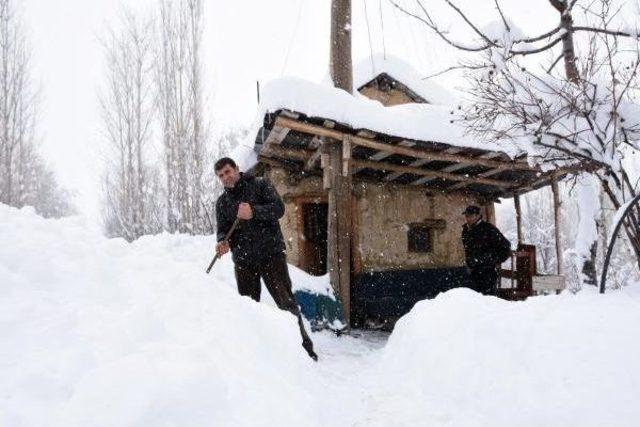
98	332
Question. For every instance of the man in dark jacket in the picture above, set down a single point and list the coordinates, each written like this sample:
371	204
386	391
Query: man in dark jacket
256	245
485	248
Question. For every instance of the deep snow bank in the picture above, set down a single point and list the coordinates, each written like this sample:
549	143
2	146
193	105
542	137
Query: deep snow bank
463	359
99	332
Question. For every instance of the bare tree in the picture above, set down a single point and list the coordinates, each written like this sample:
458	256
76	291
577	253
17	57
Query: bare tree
24	177
584	114
182	122
130	187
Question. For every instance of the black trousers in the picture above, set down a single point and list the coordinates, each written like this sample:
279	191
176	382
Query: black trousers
484	279
275	273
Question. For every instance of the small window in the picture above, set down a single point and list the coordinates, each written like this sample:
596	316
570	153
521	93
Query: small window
420	238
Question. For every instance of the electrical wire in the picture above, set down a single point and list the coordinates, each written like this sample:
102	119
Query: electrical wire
384	46
366	16
293	37
404	43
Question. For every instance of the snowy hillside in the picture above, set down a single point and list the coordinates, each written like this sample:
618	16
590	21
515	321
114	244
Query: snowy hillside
99	332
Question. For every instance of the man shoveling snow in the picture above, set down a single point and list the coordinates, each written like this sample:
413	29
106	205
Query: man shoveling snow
256	243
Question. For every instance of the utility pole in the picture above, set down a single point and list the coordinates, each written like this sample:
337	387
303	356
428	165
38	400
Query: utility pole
341	66
337	167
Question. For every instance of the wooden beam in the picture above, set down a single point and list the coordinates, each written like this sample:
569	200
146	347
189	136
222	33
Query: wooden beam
481	175
313	160
384	154
545	179
340	225
429	173
279	151
516	203
319	141
276	135
380	155
398	149
279	163
556	220
326	171
422	162
346	155
458	166
396	175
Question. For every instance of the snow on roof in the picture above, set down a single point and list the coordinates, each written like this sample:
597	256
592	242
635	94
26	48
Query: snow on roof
371	67
422	122
243	154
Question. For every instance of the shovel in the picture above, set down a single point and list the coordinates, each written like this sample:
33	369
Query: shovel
226	239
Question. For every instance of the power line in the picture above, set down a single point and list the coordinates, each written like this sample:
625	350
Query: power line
400	31
366	16
384	47
293	37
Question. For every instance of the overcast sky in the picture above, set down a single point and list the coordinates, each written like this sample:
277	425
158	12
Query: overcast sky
244	41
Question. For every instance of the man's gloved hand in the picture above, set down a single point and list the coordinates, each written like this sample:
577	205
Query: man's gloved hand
222	248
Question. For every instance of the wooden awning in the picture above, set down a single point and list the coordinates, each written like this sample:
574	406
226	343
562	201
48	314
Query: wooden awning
296	142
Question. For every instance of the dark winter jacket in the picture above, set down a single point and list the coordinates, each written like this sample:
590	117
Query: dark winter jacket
260	236
484	245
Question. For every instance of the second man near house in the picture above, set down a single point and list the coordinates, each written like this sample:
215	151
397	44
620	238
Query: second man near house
485	248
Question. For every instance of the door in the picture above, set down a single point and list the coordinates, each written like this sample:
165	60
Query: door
314	247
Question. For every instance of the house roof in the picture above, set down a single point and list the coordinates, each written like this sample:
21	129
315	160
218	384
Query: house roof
413	144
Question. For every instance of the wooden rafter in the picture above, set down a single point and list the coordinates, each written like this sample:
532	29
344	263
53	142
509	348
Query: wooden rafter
485	174
396	175
276	135
318	145
291	153
326	136
277	163
311	163
380	155
398	149
422	162
545	179
455	167
384	154
429	173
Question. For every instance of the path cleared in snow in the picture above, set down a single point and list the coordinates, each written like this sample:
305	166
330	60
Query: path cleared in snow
98	332
348	374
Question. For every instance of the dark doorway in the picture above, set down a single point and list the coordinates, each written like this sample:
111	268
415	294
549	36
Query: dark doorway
314	239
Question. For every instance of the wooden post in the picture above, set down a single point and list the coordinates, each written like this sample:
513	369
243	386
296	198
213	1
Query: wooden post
340	223
516	203
340	65
556	212
338	176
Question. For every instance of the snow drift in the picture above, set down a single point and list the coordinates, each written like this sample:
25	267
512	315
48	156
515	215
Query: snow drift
99	332
549	361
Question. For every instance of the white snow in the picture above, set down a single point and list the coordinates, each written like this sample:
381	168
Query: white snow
243	154
587	195
550	361
98	332
422	122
